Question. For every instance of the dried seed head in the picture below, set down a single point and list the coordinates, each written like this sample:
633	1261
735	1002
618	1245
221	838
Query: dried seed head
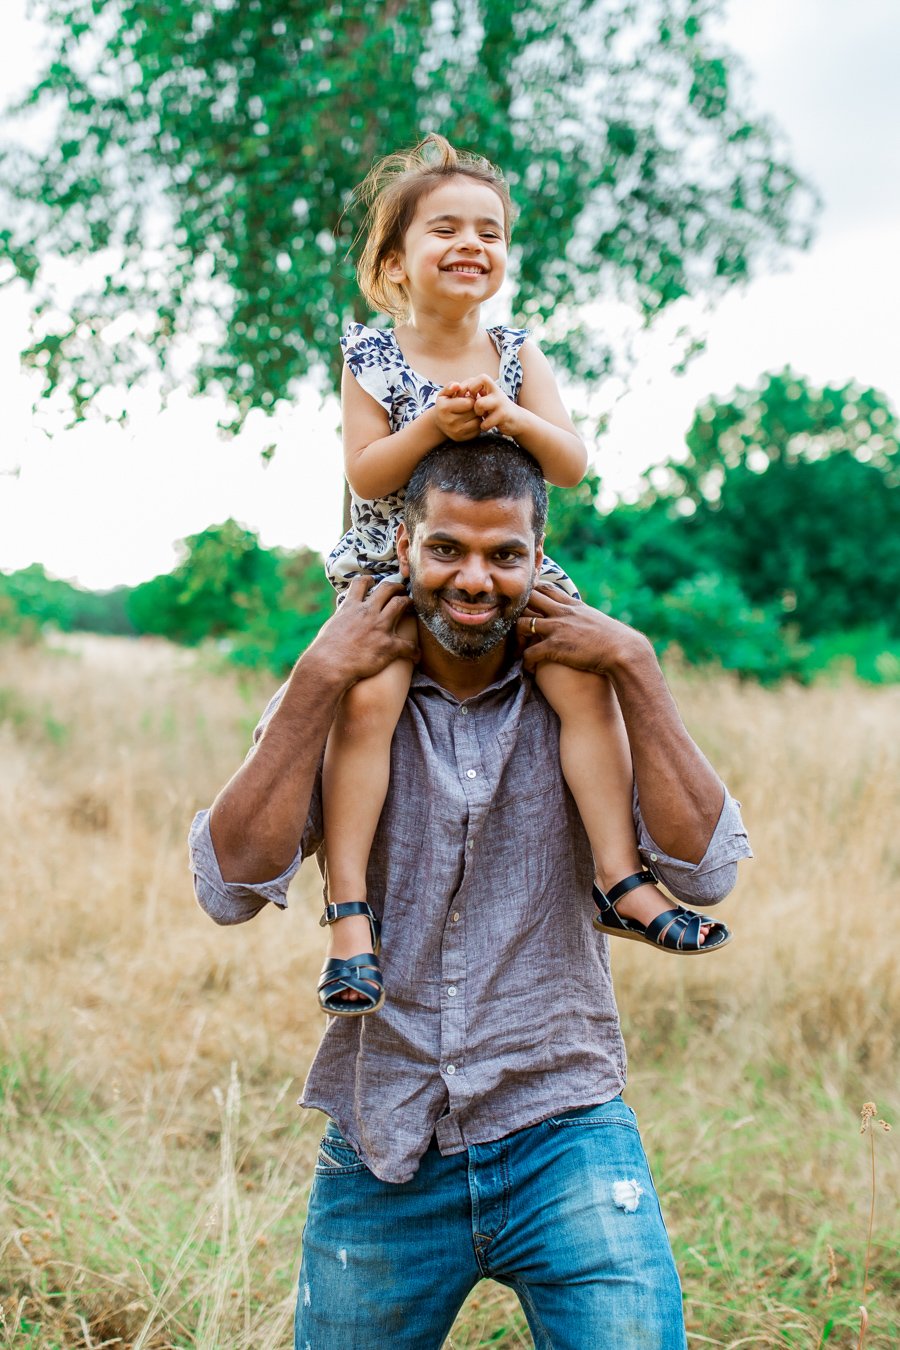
832	1271
866	1116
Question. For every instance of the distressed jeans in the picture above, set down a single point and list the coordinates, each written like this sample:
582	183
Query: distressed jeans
564	1213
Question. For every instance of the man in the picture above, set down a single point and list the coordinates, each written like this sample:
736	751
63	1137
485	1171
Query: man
476	1125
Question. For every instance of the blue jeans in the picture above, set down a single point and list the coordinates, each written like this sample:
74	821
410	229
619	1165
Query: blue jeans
564	1213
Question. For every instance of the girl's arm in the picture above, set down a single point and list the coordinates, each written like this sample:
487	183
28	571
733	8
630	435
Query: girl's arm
378	461
539	421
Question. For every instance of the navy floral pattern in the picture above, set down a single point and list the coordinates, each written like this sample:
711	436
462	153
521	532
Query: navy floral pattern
374	357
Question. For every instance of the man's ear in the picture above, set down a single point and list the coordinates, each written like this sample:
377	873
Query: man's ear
538	555
402	545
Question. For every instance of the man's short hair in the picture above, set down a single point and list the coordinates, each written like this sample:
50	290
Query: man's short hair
481	469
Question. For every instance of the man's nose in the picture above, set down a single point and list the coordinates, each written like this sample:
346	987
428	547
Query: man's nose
473	575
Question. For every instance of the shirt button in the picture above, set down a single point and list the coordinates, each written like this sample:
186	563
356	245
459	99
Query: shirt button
455	917
464	712
654	857
452	991
470	844
470	773
451	1068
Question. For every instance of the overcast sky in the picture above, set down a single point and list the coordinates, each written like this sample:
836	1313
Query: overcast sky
105	505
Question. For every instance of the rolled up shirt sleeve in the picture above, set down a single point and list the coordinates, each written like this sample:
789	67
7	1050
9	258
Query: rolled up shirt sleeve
710	880
230	901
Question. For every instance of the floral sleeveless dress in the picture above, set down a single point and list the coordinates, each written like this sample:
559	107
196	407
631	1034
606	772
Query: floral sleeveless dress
375	359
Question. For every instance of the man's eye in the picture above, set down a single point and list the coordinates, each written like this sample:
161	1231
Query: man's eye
508	556
442	550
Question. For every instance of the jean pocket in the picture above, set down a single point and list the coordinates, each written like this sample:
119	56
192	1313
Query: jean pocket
337	1158
614	1112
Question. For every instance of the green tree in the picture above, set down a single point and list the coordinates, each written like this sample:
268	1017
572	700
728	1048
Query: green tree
223	581
640	564
48	601
276	635
267	604
819	537
206	153
784	419
796	491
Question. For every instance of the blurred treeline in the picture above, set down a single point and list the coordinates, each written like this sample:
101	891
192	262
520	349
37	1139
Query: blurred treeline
772	549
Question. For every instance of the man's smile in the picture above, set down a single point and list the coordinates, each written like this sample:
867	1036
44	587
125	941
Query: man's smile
470	612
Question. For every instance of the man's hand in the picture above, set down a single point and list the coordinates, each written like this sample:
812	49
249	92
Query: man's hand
455	413
571	633
493	408
361	637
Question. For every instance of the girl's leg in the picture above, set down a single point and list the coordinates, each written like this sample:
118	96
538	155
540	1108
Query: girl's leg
355	780
596	762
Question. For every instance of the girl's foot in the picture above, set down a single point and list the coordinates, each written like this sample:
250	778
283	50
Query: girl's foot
633	908
349	937
350	983
644	904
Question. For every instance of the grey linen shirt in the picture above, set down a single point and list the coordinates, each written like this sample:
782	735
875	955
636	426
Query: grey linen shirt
500	1009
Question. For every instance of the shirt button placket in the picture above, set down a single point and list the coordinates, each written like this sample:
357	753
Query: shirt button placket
475	784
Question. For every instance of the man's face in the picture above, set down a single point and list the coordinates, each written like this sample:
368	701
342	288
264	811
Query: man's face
471	567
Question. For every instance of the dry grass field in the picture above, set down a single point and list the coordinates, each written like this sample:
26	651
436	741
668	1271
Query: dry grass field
153	1168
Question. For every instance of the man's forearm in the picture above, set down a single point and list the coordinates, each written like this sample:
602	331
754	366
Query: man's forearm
257	820
681	794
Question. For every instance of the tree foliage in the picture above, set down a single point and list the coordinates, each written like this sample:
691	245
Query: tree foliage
785	420
640	564
207	150
267	603
31	600
793	531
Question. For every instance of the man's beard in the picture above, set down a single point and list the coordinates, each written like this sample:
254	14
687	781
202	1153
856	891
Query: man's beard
464	640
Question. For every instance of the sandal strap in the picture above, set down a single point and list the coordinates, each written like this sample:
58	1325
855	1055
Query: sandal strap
345	909
356	973
679	930
676	929
622	887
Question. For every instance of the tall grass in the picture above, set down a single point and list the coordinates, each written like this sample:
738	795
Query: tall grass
153	1168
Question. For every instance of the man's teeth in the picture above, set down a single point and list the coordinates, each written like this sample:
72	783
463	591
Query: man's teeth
462	608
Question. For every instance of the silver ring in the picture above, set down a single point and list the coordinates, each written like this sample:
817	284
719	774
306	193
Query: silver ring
533	627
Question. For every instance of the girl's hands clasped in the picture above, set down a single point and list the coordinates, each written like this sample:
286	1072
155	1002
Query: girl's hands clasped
466	409
493	408
455	413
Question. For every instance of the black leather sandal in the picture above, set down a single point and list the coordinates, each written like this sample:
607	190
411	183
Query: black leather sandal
677	930
361	974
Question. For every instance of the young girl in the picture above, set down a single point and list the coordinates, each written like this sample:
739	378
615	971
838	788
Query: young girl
438	231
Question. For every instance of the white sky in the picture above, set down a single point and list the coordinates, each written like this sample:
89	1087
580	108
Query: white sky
105	505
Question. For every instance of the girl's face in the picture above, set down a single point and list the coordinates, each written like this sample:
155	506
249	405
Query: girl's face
454	251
